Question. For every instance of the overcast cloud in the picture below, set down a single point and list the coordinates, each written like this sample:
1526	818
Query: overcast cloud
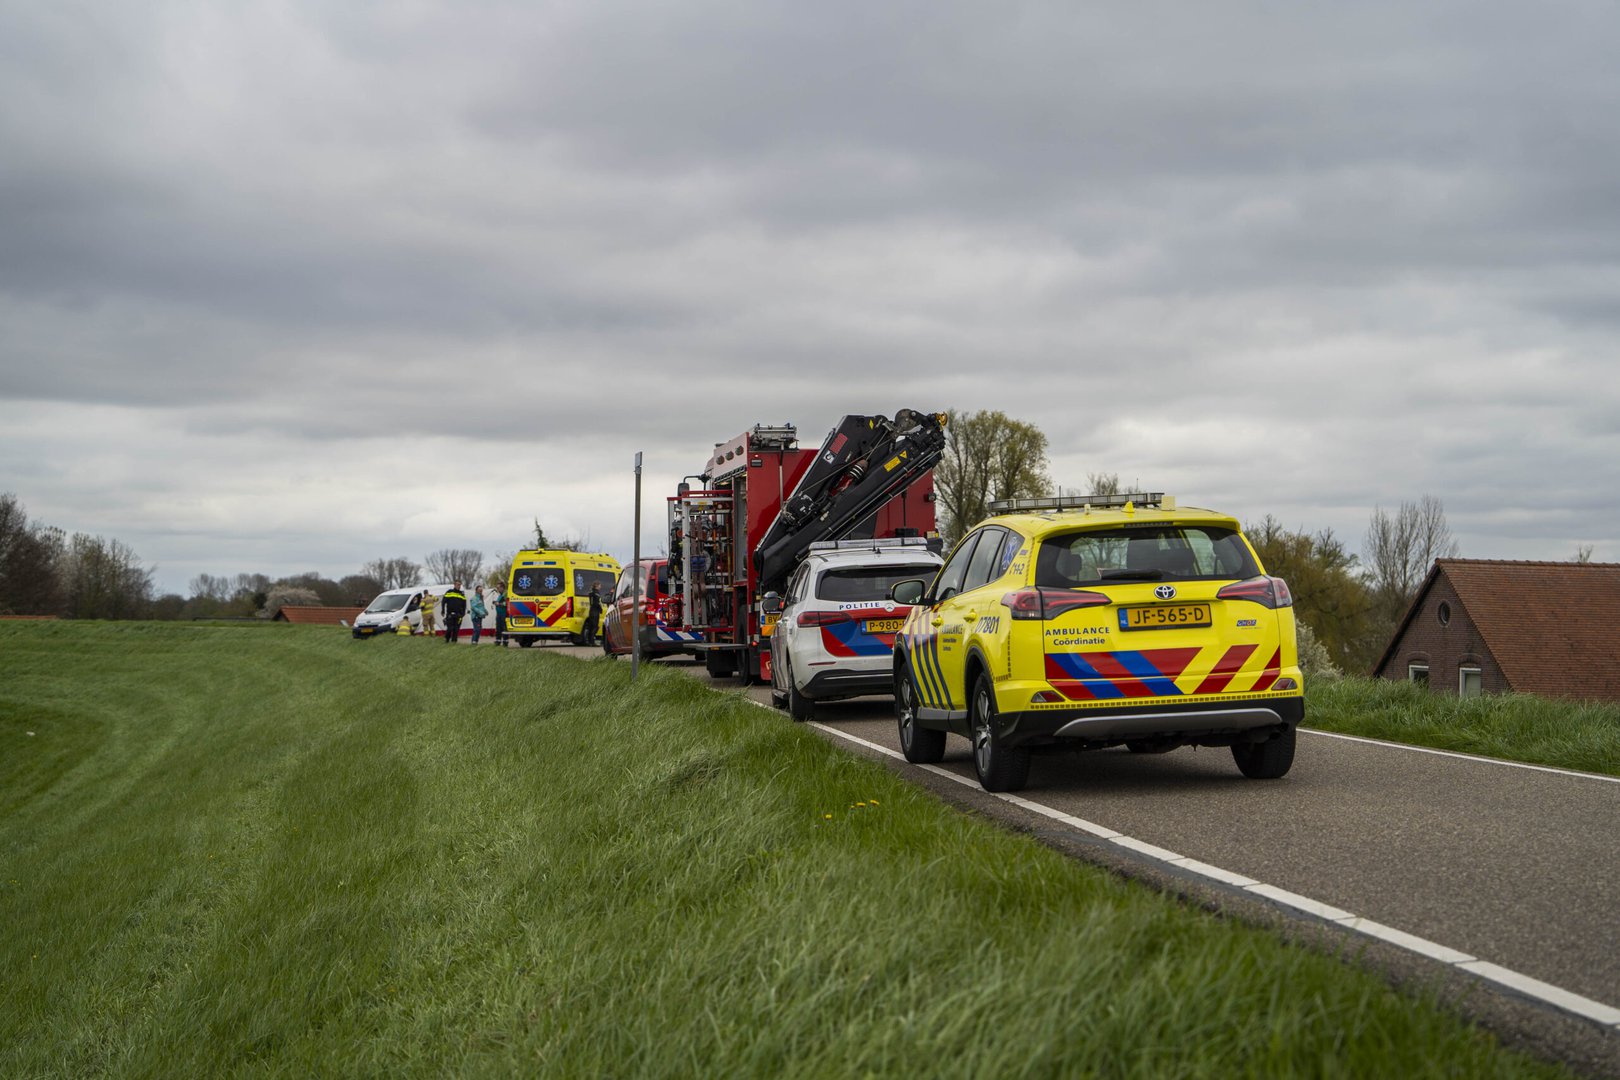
291	286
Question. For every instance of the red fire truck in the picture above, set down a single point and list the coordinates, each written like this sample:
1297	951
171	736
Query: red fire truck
761	501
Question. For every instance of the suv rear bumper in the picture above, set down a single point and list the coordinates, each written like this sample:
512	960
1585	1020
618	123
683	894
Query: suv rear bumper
1212	722
825	685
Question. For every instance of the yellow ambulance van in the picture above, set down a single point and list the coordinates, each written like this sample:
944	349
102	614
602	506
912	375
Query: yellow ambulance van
548	594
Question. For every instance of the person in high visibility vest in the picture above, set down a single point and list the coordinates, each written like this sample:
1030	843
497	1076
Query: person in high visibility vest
455	609
427	613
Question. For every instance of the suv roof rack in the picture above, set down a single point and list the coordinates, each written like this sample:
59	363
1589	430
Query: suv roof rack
1152	500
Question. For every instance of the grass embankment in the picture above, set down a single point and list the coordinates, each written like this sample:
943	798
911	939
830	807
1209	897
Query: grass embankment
1516	727
226	851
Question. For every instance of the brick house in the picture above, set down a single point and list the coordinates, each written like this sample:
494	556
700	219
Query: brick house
1493	626
320	616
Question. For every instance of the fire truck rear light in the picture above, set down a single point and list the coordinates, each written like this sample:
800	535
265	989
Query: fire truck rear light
1271	592
1039	603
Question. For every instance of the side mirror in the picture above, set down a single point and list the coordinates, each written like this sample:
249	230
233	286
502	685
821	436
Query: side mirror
771	603
909	591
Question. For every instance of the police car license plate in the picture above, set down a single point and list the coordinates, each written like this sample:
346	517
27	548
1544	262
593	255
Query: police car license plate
884	626
1163	616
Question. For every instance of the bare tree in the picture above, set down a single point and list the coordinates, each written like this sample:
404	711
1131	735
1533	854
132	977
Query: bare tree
1583	554
30	579
359	588
987	456
1103	483
103	579
209	587
454	564
397	573
1398	551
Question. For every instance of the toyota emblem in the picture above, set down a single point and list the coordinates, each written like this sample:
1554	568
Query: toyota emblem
1165	592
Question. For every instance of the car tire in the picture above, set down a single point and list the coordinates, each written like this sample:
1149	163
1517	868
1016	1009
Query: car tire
525	642
607	650
718	663
799	707
1000	767
920	745
1267	760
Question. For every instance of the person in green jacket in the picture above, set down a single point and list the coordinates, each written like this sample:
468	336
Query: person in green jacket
500	617
477	611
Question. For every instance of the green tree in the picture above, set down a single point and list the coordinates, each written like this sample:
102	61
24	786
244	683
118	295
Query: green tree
1330	597
988	456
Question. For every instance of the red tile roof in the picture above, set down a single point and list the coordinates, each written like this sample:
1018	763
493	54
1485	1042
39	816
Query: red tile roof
327	616
1554	627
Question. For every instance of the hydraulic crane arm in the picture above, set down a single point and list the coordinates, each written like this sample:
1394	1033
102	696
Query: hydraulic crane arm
865	462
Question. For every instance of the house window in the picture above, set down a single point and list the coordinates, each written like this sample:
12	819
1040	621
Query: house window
1418	673
1444	612
1469	682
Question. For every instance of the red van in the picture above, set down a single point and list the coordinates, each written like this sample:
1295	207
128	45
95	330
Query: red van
661	622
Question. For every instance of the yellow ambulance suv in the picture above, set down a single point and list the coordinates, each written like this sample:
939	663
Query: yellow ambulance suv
548	594
1088	622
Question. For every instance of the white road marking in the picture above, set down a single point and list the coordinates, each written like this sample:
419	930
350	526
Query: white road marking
1559	998
1456	754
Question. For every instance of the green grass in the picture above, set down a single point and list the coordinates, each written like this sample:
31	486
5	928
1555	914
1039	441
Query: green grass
225	852
1516	727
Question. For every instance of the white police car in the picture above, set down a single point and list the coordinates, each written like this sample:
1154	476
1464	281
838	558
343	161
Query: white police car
835	636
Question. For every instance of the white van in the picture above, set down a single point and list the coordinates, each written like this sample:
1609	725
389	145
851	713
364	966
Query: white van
383	615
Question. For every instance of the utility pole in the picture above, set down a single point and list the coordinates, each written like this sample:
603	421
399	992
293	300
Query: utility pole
635	584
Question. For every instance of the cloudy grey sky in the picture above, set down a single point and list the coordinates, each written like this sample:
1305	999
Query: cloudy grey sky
292	285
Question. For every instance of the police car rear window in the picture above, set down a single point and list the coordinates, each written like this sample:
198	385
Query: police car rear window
1152	553
868	582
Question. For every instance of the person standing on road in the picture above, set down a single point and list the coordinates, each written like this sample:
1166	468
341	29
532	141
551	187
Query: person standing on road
593	615
428	600
500	617
477	611
455	609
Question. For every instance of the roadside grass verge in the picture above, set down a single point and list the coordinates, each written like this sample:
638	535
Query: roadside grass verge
226	852
1515	727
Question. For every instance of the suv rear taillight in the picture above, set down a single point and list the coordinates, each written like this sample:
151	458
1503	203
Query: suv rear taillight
1039	603
1271	592
822	618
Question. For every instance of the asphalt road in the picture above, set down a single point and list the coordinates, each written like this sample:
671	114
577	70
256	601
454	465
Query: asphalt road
1515	867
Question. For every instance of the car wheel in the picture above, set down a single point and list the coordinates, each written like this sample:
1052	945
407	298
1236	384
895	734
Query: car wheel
1000	767
718	662
799	707
607	649
922	746
525	642
1266	760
